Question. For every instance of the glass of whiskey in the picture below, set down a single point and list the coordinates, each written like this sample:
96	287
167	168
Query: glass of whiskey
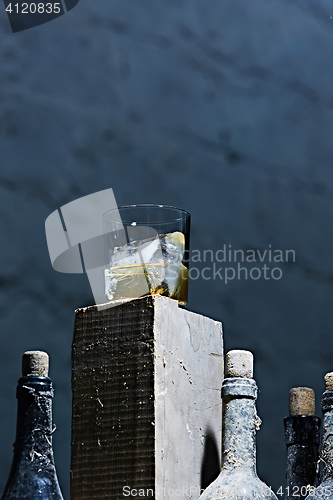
147	251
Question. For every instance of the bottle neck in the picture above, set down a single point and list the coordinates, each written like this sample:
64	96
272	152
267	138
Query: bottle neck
239	425
302	433
33	468
302	429
34	418
327	437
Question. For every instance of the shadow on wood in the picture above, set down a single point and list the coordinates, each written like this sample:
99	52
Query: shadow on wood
210	467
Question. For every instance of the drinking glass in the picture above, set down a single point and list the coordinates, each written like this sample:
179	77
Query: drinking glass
147	250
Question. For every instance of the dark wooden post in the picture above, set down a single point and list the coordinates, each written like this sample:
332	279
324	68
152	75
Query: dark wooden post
146	381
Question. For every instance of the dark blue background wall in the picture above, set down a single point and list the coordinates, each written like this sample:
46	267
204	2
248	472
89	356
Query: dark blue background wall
222	107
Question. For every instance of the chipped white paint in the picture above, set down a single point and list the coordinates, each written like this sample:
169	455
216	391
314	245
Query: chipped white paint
189	431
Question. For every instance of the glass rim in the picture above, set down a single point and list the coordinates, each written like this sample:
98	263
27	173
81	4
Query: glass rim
186	214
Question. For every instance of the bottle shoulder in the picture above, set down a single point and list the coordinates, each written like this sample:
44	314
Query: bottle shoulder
238	485
323	492
39	487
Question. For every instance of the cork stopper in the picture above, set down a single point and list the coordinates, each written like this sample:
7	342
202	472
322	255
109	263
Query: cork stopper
329	381
35	363
301	401
239	364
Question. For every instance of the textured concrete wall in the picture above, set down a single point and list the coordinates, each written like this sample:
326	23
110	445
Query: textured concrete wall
224	108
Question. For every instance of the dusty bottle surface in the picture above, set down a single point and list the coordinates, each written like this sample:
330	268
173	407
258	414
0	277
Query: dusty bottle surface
302	432
325	490
33	474
238	478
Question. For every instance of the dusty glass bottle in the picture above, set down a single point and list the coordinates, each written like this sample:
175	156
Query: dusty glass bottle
33	474
238	478
325	490
302	432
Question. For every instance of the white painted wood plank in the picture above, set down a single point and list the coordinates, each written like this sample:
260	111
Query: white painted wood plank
188	407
